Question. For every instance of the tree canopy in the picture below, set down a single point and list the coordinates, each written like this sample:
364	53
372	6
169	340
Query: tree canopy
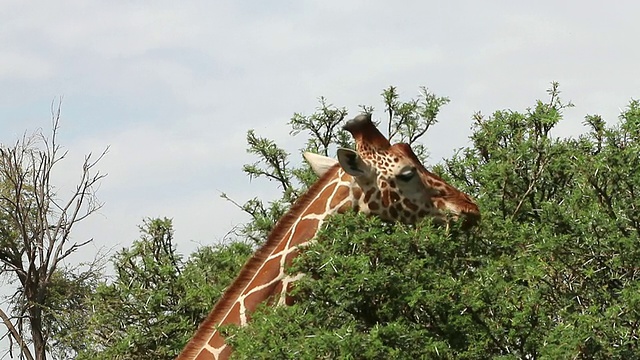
550	272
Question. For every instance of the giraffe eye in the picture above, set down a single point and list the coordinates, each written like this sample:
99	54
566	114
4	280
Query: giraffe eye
407	174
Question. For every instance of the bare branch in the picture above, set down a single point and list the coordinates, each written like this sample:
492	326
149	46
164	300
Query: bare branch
39	222
16	334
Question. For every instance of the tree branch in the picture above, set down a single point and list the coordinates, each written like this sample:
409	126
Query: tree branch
16	335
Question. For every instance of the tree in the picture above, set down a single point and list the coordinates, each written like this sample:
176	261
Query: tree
156	299
551	272
35	232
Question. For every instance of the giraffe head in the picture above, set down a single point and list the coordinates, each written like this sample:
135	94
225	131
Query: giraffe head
393	183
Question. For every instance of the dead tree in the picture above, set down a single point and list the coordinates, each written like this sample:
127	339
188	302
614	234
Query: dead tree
35	228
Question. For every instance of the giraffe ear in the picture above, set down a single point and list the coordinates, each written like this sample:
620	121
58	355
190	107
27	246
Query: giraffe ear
319	163
352	163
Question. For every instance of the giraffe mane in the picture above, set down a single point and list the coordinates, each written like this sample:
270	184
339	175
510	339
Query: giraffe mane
225	303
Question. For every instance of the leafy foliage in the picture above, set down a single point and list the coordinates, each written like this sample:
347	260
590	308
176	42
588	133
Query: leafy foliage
323	128
66	310
551	272
409	121
35	226
156	299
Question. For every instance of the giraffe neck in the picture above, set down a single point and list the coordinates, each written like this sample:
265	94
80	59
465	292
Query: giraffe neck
263	276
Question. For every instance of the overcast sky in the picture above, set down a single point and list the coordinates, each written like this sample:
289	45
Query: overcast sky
172	86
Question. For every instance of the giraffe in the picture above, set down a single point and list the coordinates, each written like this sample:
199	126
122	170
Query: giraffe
377	178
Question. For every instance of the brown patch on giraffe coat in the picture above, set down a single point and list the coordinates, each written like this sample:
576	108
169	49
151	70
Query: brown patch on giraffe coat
405	216
320	207
234	313
408	204
255	298
386	198
395	197
276	291
368	194
346	207
304	229
204	355
217	341
338	197
356	193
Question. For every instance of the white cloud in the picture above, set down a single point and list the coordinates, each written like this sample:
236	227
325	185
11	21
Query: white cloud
23	66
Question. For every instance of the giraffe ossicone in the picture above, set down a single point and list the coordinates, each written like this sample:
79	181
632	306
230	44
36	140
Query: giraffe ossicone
377	178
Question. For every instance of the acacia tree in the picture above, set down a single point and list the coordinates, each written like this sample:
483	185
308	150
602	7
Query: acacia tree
550	272
35	232
156	299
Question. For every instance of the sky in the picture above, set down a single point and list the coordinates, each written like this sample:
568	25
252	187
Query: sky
171	88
